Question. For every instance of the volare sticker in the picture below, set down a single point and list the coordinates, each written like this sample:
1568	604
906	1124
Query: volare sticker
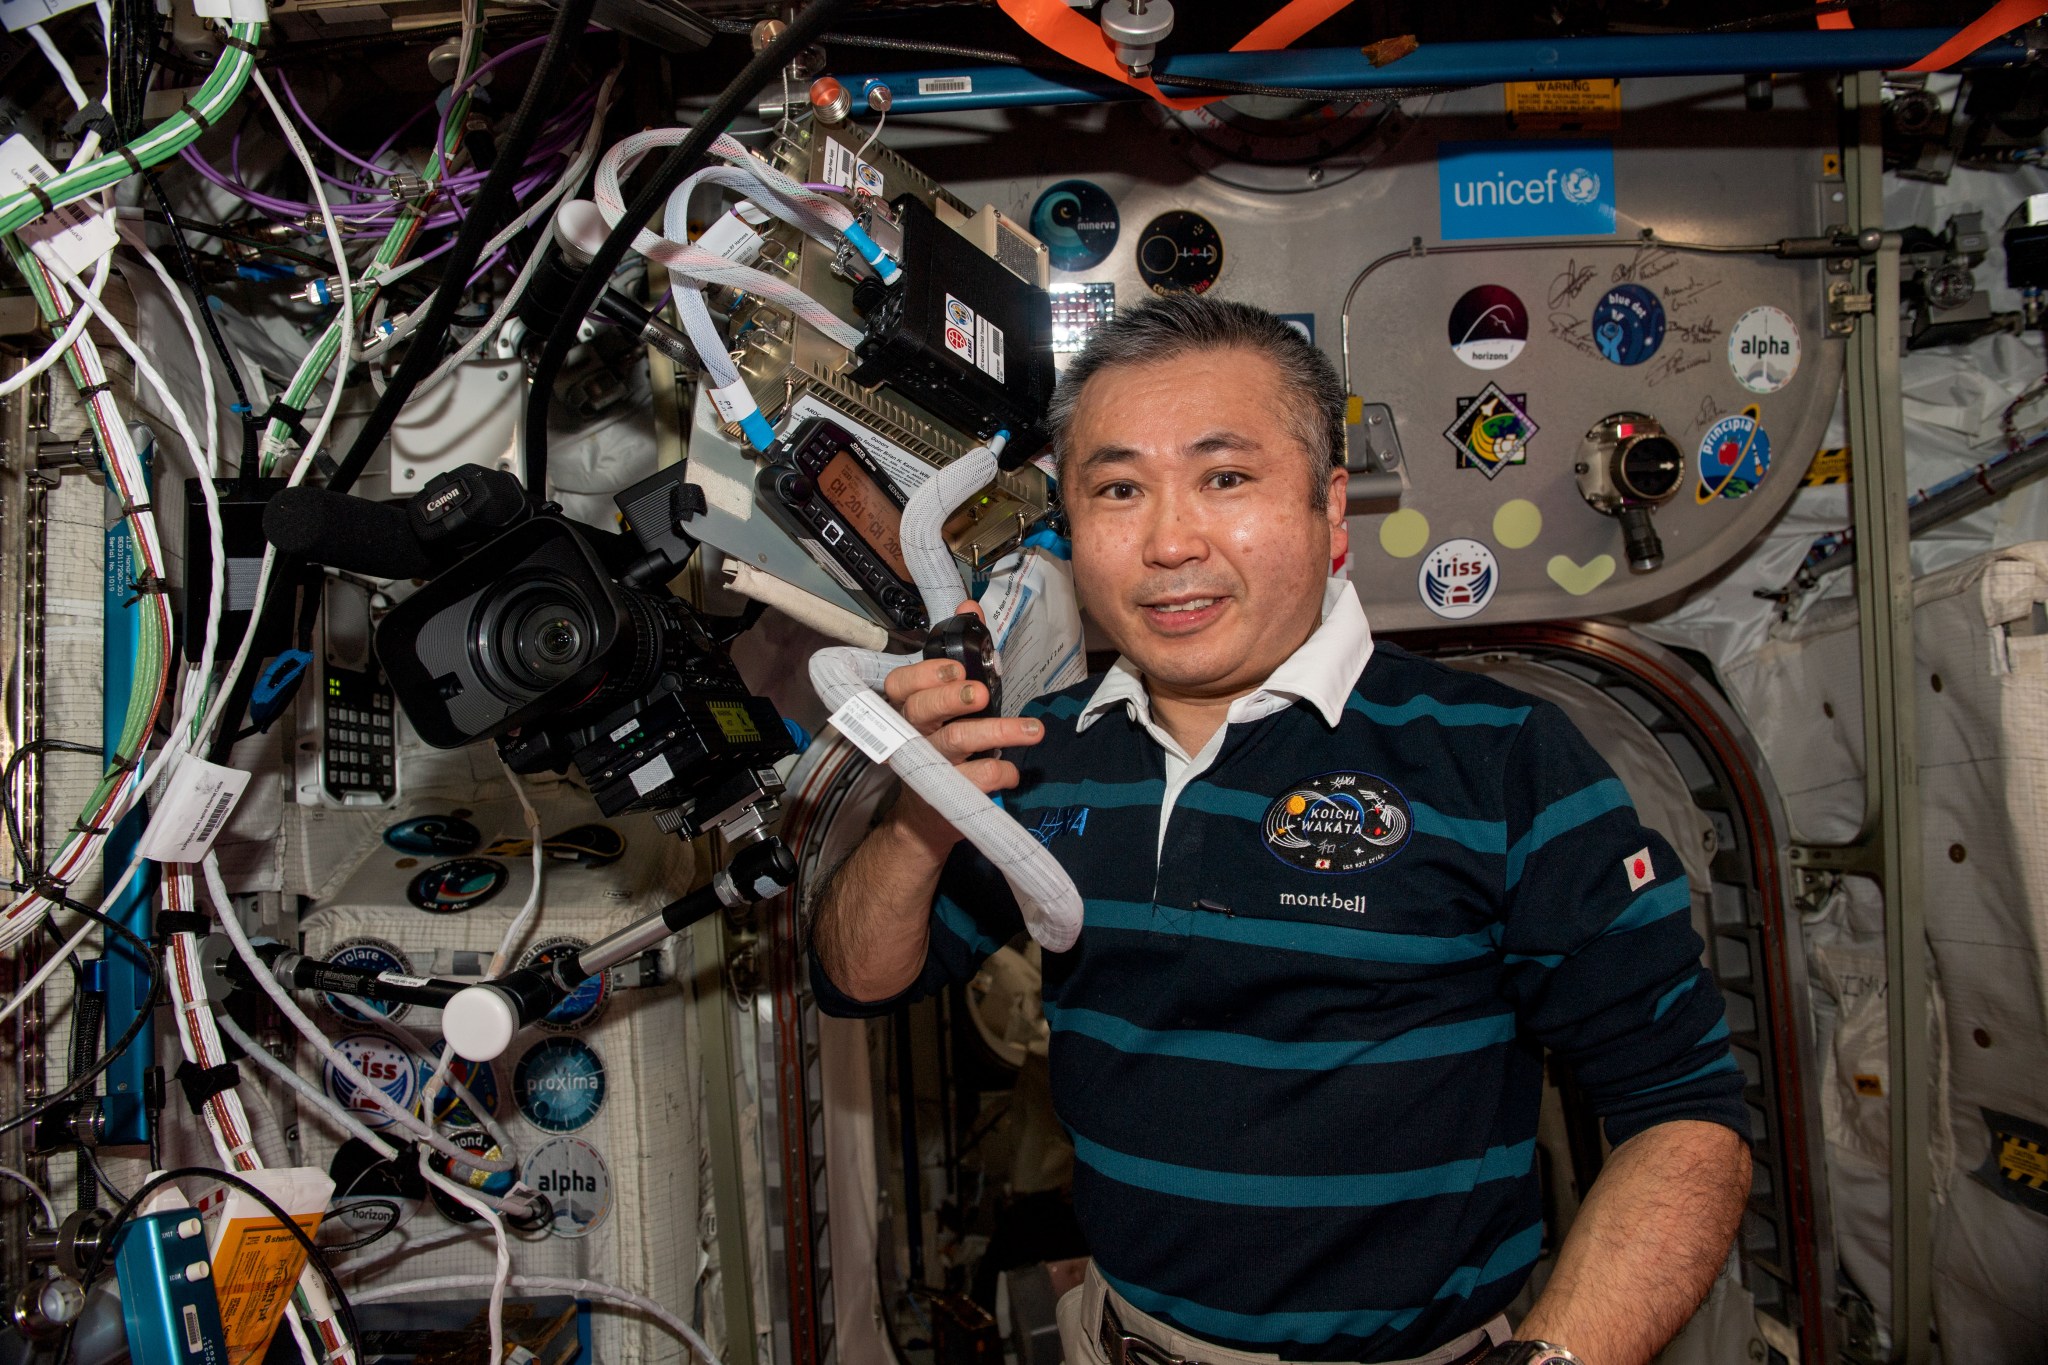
369	954
456	885
587	1001
1763	349
1489	327
385	1065
1735	454
559	1084
1458	579
1338	823
1639	869
1525	189
578	1184
1491	431
960	330
439	835
1628	324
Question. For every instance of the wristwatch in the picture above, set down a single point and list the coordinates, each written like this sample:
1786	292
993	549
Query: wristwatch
1528	1353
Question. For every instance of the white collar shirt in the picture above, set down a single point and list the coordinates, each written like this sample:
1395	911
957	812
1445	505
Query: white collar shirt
1322	673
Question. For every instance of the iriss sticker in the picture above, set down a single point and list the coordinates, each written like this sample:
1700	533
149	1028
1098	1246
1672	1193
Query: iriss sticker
1338	823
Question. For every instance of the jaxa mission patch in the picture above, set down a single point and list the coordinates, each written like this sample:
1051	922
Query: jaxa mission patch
1338	823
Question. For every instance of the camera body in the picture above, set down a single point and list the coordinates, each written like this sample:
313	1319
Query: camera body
563	645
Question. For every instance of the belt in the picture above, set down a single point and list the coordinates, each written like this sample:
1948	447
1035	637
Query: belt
1123	1347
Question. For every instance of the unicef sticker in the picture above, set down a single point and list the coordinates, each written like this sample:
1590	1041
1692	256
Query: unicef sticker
1763	349
1628	324
559	1084
581	1005
456	885
370	954
572	1174
1458	578
385	1065
1735	454
1338	823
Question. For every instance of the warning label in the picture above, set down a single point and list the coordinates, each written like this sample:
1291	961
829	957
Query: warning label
1565	106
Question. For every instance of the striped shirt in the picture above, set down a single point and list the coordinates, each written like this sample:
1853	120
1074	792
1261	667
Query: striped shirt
1299	1051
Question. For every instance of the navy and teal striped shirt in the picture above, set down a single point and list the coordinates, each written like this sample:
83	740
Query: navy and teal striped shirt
1304	1100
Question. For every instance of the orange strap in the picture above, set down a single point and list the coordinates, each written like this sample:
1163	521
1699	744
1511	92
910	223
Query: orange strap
1079	39
1833	18
1994	23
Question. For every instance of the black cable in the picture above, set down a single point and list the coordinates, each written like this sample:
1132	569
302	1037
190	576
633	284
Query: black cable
744	27
682	159
565	38
14	829
189	270
343	1308
121	1045
88	1012
228	234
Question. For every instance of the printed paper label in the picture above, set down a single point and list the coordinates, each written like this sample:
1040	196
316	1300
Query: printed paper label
196	803
731	238
988	348
71	233
945	85
734	400
904	469
844	169
873	725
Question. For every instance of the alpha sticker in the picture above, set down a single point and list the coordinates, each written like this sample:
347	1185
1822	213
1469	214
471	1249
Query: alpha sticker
1338	823
1763	349
480	1079
372	954
1489	327
456	885
440	835
559	1084
495	1183
1628	324
1458	579
1491	431
572	1174
1735	454
2017	1167
385	1065
583	1004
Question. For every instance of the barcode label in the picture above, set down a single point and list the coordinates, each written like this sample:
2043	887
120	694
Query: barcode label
873	725
197	802
652	775
73	232
195	1342
945	85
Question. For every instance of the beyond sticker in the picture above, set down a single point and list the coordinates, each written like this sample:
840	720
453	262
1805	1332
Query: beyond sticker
1763	349
488	1182
1735	454
1338	823
1628	324
435	835
385	1065
1489	327
480	1079
1492	431
456	885
584	1003
375	955
1458	579
559	1084
572	1174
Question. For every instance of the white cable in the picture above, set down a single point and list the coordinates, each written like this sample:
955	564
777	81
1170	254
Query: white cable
49	1212
209	397
27	375
861	155
44	972
348	297
313	1094
79	98
502	1245
515	932
582	1289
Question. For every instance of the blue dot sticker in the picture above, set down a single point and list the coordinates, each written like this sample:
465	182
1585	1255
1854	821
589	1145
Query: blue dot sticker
581	1005
1628	324
559	1084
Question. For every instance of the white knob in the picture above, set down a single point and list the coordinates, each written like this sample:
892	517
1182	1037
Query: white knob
479	1023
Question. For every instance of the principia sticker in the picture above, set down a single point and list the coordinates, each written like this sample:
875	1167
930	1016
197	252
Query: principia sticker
385	1065
572	1174
559	1084
1458	579
1735	454
370	954
581	1005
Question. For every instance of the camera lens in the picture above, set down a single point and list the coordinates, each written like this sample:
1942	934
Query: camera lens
1650	468
549	639
533	636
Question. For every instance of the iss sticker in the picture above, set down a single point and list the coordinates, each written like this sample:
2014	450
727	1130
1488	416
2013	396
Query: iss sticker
480	1079
584	1003
456	885
369	954
1628	324
1458	579
1763	349
1492	431
1338	823
435	835
572	1174
496	1183
385	1065
1489	327
559	1084
1735	454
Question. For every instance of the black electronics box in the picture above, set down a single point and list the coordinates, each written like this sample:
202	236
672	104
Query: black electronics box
961	336
241	524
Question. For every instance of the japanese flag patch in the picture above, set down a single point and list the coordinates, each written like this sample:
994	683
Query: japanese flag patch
1641	872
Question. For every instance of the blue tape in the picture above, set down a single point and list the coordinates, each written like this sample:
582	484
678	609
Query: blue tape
759	434
872	253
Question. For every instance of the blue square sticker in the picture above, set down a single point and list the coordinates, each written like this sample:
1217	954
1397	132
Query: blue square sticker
1525	189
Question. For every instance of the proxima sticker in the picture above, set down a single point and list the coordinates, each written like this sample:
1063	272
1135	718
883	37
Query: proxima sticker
1458	578
1338	823
1763	349
559	1084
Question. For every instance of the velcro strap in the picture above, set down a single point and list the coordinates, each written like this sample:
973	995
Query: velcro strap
240	44
290	418
169	922
201	1084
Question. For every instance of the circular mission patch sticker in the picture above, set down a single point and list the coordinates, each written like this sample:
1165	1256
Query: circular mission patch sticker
1338	823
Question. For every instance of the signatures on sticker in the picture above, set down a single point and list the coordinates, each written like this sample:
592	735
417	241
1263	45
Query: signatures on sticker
1673	364
1570	283
1699	333
1679	297
1571	330
1709	413
1649	262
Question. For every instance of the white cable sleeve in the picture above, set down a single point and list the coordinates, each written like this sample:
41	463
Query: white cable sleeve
321	1101
49	1213
502	1246
924	547
827	618
582	1289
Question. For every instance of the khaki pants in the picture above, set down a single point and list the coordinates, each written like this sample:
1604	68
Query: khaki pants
1080	1315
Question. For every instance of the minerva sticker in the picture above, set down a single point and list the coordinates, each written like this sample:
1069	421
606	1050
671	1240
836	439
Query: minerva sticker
1735	454
1491	431
372	954
583	1004
1763	349
440	835
578	1184
1458	578
385	1065
1338	823
559	1084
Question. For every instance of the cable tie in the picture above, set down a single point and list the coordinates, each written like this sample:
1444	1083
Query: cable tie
240	45
292	419
51	888
79	827
127	154
146	585
88	392
42	196
129	509
191	111
201	1084
173	922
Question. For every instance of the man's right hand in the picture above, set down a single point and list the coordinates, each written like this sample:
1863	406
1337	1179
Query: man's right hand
933	694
